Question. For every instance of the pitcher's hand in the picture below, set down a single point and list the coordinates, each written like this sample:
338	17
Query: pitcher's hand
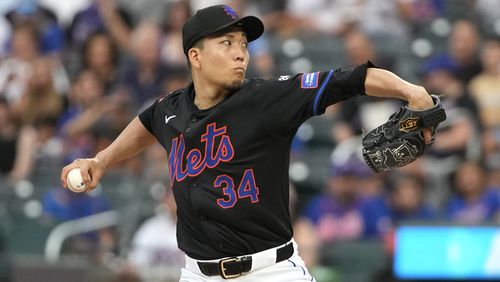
91	169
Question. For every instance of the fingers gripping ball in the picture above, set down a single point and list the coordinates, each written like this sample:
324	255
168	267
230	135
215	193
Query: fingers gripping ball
400	141
75	181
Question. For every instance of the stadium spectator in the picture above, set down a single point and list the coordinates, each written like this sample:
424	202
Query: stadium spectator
154	246
407	200
335	214
40	99
422	12
85	109
373	194
144	76
457	132
100	55
463	47
15	70
5	32
458	135
17	145
342	212
92	20
43	20
473	201
171	51
485	88
92	120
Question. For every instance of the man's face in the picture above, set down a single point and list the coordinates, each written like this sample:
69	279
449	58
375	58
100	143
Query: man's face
223	59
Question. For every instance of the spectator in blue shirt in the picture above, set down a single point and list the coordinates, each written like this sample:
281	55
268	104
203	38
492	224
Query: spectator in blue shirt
407	200
336	213
473	201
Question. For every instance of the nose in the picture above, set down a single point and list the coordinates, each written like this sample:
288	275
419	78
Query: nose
239	54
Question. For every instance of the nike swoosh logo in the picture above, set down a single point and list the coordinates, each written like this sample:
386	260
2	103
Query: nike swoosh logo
167	118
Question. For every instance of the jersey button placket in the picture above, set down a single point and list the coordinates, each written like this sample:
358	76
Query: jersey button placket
193	118
188	130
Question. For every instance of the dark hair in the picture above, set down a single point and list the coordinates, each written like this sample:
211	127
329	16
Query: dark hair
480	164
89	40
184	4
397	177
3	100
492	37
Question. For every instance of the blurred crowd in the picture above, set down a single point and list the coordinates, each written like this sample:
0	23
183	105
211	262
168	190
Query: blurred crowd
74	73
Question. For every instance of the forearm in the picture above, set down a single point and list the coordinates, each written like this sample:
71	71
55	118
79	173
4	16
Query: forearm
134	139
25	152
82	123
119	30
383	83
115	24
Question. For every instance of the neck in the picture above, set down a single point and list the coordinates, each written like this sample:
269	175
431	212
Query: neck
207	94
473	196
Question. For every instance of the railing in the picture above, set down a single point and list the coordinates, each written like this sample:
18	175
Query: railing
67	229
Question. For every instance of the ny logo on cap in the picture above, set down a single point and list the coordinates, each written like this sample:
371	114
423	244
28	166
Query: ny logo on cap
230	12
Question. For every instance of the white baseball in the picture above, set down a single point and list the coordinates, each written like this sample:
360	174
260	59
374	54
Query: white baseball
75	181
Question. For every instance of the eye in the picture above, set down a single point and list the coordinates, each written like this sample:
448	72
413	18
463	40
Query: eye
226	42
244	45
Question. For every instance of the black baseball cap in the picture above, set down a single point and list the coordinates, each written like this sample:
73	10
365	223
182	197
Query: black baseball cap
212	19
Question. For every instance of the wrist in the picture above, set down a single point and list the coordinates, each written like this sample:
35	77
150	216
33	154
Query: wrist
418	98
102	160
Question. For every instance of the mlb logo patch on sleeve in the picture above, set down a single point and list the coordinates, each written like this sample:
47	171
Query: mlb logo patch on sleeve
309	80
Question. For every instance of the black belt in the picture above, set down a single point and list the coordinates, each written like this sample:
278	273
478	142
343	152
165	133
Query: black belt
236	266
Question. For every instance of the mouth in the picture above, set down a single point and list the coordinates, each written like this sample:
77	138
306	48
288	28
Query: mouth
239	70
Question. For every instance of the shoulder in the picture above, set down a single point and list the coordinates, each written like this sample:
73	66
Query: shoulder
252	83
476	81
492	195
171	98
275	82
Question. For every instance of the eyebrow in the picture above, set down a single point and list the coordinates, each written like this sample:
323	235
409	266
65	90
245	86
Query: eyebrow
228	34
232	35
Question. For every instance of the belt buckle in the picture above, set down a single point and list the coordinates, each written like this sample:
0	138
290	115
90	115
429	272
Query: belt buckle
222	268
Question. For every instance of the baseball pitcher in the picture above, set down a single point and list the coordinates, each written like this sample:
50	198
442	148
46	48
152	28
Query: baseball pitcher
228	144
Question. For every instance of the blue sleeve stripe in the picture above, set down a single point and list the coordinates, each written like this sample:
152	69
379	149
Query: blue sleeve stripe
320	92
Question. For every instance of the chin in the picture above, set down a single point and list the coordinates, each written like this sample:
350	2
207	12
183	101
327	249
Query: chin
234	85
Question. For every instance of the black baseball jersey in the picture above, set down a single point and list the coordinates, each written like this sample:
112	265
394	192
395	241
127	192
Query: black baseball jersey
229	164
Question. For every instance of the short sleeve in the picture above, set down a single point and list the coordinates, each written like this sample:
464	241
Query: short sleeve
285	103
147	117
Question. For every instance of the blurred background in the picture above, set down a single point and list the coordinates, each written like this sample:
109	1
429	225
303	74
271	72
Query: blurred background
74	73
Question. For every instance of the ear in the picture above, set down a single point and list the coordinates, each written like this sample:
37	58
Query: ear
194	57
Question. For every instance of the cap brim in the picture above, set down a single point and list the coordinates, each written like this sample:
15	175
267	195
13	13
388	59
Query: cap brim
251	25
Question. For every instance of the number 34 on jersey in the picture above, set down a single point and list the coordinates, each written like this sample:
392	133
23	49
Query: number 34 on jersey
196	162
